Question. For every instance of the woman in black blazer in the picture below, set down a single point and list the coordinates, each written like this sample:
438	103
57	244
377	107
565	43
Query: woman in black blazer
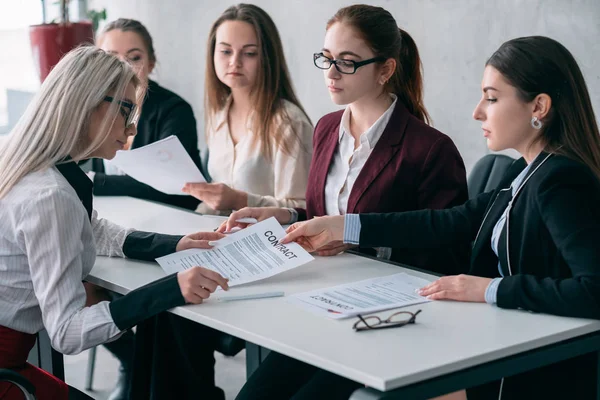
535	238
163	114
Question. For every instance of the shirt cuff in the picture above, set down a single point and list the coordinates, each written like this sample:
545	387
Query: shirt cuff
148	246
254	200
351	228
491	293
293	216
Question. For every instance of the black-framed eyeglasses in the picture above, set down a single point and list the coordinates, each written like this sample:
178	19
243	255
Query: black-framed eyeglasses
395	320
343	66
126	109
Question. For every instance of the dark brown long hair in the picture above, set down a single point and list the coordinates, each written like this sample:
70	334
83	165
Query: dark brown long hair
537	64
380	31
273	84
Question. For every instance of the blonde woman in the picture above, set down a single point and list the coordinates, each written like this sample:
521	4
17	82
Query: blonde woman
258	135
50	233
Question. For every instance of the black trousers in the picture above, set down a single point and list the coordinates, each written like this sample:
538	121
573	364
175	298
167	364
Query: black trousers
280	377
174	359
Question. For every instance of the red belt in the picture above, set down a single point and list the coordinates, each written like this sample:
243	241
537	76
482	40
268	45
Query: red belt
14	349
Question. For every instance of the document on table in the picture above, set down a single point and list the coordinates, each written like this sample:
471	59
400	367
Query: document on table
363	297
246	256
164	165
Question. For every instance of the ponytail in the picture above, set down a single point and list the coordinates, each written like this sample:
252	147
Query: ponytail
407	80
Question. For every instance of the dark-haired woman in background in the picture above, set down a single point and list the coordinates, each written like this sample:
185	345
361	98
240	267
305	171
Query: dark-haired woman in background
164	113
535	238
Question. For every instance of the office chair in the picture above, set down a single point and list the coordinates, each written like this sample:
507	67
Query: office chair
7	375
487	173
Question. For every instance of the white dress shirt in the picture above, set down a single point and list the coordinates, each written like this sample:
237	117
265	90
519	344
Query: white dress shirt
280	182
348	162
47	247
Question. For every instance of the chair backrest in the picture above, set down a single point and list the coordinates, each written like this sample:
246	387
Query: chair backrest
487	173
7	375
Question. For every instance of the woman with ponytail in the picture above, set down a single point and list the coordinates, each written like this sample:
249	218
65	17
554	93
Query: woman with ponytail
379	154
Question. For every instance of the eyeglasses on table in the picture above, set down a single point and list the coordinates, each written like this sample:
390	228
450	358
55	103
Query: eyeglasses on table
396	320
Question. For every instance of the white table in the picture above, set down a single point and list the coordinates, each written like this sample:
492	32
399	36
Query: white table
452	344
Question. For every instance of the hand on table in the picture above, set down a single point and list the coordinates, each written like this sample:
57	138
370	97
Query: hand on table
197	283
457	287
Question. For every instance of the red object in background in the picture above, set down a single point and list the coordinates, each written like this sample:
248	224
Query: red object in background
49	42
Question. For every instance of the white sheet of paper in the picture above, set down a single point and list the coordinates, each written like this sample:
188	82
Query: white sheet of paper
363	297
164	165
245	256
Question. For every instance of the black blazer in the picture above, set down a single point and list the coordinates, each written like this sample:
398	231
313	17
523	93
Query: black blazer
549	252
163	114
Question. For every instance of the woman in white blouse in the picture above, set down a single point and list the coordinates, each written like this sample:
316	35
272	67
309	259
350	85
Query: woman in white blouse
49	233
258	135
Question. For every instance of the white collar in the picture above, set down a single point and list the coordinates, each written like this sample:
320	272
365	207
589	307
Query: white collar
370	136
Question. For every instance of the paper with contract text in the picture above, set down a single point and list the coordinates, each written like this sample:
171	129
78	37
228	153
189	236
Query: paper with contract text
163	165
363	297
246	256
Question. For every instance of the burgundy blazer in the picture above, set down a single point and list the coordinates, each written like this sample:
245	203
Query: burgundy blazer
413	166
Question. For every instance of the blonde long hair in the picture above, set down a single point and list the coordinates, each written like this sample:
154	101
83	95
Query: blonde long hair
273	84
57	121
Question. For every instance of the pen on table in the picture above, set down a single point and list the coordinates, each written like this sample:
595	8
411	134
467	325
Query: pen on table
252	296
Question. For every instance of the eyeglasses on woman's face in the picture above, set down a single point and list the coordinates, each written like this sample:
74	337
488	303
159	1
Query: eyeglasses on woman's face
347	67
126	109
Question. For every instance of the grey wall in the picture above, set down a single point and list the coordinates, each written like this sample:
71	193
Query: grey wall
455	37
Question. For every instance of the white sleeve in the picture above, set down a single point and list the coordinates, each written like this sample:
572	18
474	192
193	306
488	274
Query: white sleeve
290	170
109	236
57	239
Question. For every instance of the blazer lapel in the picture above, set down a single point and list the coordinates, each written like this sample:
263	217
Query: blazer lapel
493	215
385	149
322	163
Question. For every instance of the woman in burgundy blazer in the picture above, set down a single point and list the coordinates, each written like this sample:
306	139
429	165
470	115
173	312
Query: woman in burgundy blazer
412	166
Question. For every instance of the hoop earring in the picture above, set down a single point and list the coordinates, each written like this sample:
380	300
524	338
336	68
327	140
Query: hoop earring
536	123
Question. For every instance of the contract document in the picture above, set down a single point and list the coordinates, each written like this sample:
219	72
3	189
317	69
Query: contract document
363	297
246	256
164	165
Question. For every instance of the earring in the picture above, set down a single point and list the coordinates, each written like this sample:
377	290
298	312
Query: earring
536	123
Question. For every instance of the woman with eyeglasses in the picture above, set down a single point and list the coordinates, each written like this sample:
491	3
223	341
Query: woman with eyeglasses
51	233
535	238
163	114
378	154
258	135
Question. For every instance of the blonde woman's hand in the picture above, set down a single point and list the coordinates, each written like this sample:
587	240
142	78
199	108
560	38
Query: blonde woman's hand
197	284
259	213
316	233
217	196
198	240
